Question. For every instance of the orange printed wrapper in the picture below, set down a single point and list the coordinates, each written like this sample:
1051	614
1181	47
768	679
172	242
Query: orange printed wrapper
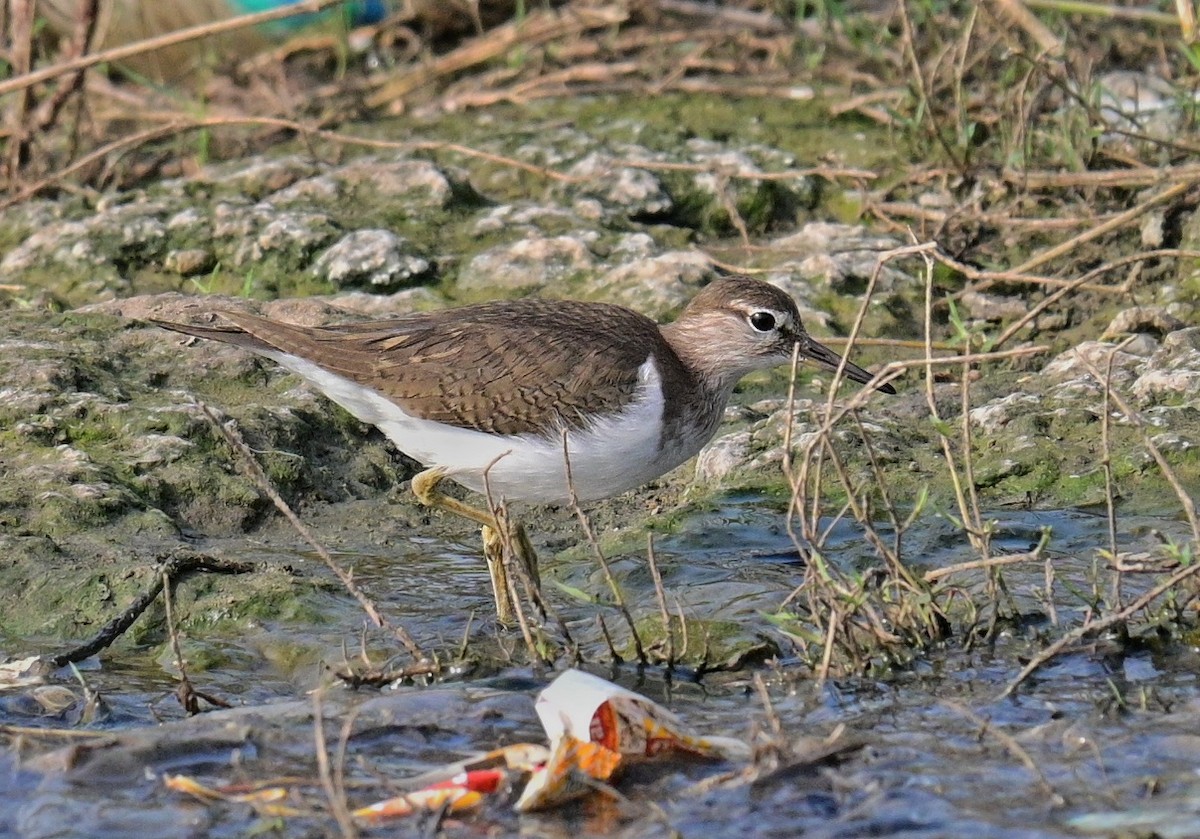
269	800
593	727
462	792
460	786
456	799
586	707
517	758
575	768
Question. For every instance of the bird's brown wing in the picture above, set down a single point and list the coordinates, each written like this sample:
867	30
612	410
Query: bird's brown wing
524	366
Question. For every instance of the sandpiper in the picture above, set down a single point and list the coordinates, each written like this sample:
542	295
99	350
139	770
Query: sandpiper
502	397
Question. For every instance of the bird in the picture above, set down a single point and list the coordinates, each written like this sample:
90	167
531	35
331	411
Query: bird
540	401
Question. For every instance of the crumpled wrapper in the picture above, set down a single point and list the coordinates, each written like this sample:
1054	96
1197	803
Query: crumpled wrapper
594	726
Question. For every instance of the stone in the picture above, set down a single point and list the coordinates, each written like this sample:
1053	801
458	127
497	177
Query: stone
378	259
527	265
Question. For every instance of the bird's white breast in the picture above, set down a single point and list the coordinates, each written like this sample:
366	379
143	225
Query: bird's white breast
614	453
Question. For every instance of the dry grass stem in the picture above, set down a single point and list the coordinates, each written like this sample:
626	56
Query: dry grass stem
1120	220
171	568
1107	10
1187	573
1186	502
613	586
661	596
1141	176
179	124
185	693
853	613
764	696
985	563
1017	13
1110	489
612	649
538	27
334	795
53	733
948	456
1011	746
255	472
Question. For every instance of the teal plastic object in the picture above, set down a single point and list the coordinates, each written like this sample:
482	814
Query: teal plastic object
358	13
129	21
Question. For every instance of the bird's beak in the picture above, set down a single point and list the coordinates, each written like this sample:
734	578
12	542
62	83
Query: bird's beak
826	357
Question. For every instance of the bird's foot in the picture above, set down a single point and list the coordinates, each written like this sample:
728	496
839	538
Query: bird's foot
498	538
502	551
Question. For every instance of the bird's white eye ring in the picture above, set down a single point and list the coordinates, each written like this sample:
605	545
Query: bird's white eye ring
761	321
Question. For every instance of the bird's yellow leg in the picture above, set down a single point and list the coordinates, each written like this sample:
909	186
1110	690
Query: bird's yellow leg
493	552
525	554
425	487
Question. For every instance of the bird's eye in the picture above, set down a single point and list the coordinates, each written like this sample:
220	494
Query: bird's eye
762	321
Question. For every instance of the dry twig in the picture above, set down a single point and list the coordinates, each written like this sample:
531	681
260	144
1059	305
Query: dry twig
255	472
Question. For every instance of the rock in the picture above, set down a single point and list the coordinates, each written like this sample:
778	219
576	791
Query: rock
113	235
1074	363
1151	229
630	191
158	448
376	258
589	209
63	243
1141	344
189	222
541	219
727	178
844	256
138	225
1157	384
1153	319
1052	321
22	219
1174	369
246	234
317	189
190	261
523	266
419	184
993	307
991	418
1170	443
1181	345
233	222
260	176
655	286
724	455
635	246
381	306
299	234
1139	103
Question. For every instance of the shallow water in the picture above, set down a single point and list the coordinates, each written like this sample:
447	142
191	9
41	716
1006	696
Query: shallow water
1103	739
